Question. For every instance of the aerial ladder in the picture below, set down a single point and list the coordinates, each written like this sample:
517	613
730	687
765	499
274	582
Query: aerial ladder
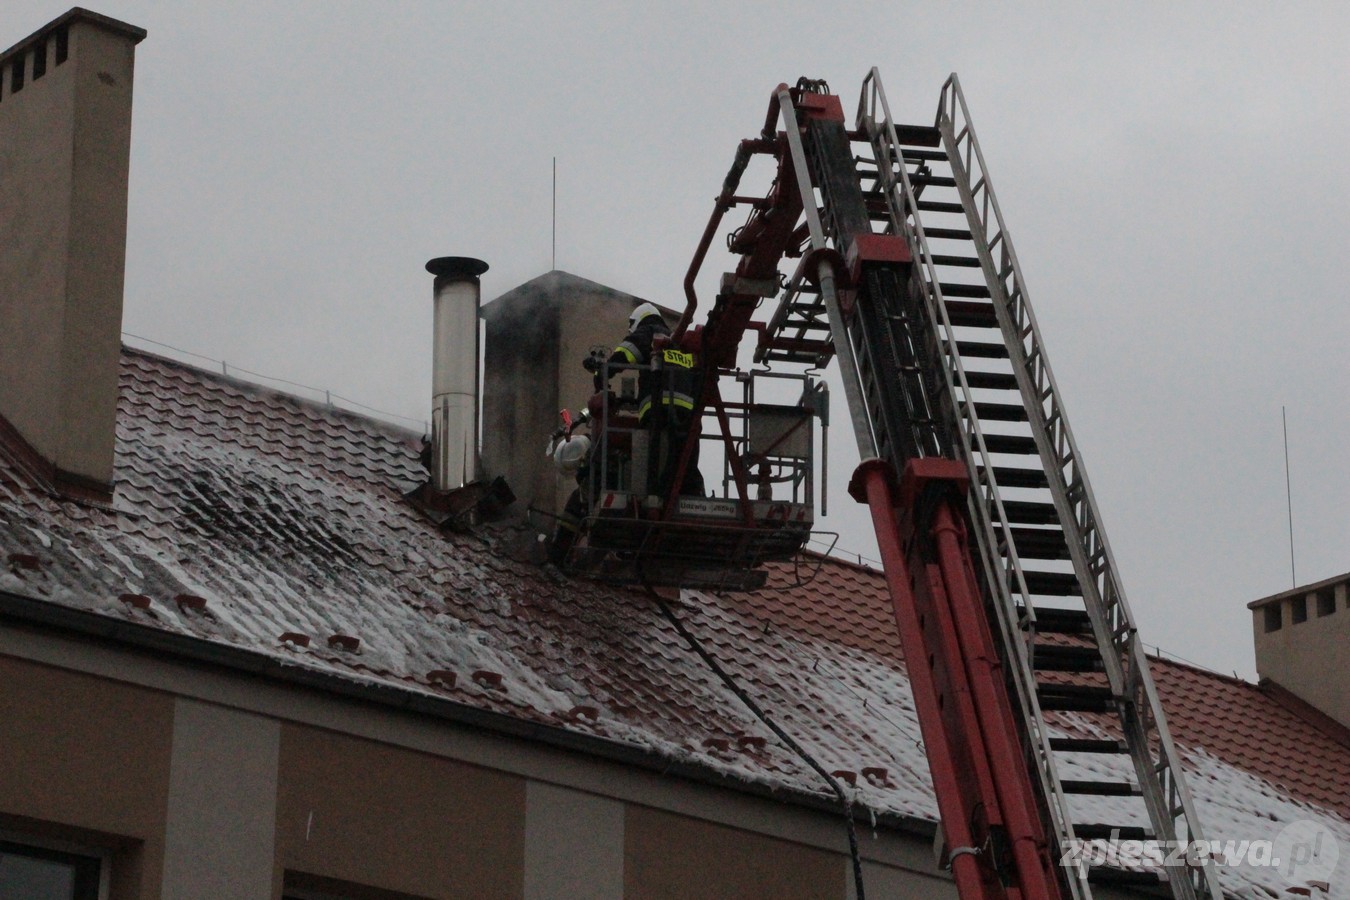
1006	595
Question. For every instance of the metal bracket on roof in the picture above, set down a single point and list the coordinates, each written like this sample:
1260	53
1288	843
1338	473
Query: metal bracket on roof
464	507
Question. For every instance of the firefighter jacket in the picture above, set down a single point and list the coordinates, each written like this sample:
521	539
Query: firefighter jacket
672	382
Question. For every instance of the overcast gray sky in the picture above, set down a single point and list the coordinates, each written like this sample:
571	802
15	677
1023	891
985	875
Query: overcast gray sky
1173	175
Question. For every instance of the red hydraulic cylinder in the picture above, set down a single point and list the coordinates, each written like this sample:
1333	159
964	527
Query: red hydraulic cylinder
986	797
874	484
1017	801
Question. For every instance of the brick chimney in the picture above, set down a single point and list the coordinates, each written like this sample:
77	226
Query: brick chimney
1303	642
65	142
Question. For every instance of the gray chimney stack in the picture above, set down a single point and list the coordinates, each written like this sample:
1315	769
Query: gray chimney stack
65	144
1302	641
454	378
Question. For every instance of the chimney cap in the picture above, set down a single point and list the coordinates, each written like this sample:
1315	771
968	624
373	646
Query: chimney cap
456	267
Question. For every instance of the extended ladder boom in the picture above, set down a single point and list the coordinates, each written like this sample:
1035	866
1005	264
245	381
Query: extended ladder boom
986	525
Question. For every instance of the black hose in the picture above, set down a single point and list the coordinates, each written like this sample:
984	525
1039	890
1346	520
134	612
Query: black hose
845	804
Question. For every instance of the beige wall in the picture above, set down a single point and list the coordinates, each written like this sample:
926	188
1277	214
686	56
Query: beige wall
574	844
683	858
1308	657
65	143
222	782
87	760
362	812
316	791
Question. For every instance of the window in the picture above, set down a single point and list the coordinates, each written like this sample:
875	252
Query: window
37	873
1298	607
1272	612
301	886
1326	602
16	74
39	59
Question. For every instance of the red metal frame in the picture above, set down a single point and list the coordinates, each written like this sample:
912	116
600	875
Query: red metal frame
712	394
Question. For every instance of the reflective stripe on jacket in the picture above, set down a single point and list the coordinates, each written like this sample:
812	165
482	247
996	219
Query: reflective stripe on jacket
676	380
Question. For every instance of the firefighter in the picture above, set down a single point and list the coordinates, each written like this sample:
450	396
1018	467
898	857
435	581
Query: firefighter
667	397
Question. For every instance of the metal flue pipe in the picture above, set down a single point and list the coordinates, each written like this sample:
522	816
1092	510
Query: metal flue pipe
454	378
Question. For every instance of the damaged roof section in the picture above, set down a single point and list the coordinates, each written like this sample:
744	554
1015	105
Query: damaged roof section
263	523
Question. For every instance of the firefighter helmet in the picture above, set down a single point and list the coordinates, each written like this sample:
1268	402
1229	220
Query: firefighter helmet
642	312
571	453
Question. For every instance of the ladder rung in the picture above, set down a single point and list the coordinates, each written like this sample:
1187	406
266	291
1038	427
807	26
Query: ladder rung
966	290
969	314
1011	443
914	153
996	381
1075	697
798	356
1101	788
1125	877
1091	831
1063	621
978	350
951	234
1037	543
941	207
932	180
1009	477
965	262
1052	584
919	136
1086	745
1067	658
1030	512
1001	412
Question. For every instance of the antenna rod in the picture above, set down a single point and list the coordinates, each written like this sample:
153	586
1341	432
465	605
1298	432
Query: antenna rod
1289	497
555	213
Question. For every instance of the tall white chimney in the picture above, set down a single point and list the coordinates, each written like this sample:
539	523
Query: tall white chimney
454	378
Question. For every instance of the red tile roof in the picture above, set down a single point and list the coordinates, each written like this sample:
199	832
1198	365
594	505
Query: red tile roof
287	520
1261	729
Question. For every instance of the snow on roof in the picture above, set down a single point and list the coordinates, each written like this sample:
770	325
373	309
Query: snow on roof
288	519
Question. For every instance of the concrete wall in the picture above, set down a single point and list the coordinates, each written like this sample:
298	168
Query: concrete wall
65	141
1302	640
202	783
